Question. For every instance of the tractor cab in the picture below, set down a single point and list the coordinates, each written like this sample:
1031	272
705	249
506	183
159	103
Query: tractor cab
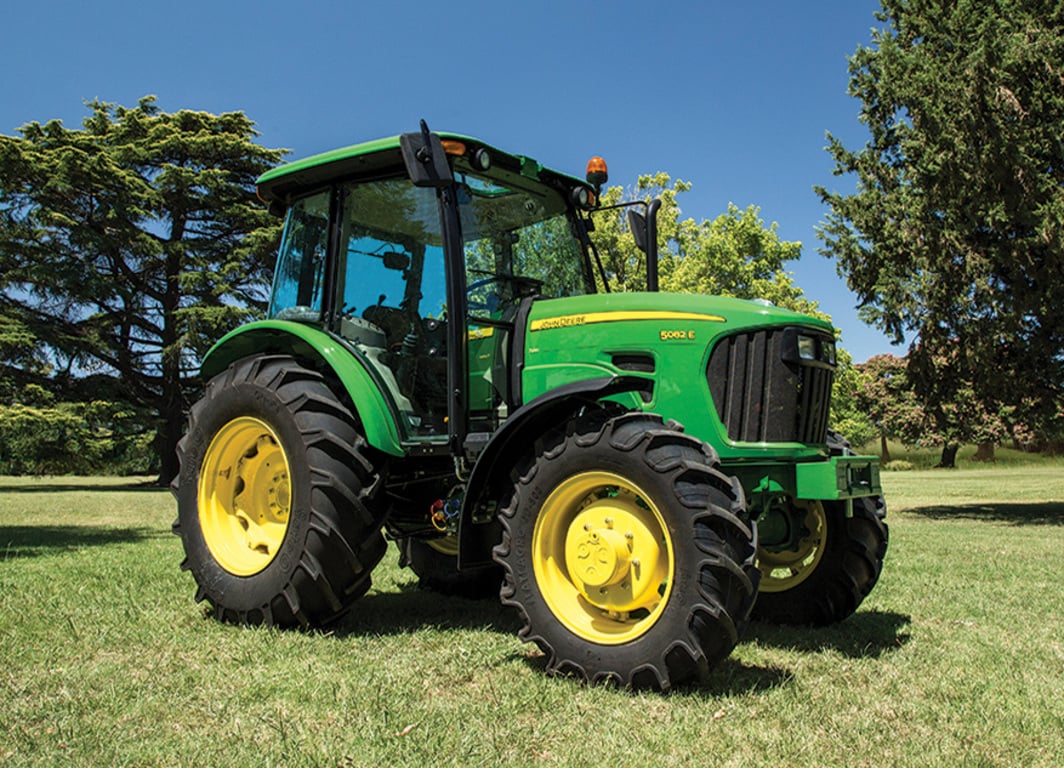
425	284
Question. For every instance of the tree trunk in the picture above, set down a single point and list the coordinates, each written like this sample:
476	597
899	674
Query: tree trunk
171	400
884	452
949	456
166	444
985	452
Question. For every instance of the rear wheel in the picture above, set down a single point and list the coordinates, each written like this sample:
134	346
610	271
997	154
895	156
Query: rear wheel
435	561
626	552
277	501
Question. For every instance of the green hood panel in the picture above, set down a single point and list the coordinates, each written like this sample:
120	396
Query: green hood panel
667	338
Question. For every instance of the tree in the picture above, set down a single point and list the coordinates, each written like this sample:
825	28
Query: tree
732	255
849	416
886	394
129	245
955	232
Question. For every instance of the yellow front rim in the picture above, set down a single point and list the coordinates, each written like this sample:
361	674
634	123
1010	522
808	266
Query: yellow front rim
244	496
603	558
786	569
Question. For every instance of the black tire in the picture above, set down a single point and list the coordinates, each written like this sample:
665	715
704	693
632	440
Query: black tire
271	442
832	585
569	493
435	562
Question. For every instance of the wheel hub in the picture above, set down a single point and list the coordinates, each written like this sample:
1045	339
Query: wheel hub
598	557
244	496
602	557
788	564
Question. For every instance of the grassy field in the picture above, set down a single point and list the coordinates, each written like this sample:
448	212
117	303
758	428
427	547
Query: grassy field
956	659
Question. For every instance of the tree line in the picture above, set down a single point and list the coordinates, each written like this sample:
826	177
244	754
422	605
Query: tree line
129	245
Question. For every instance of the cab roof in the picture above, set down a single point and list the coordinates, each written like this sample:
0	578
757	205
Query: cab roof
382	157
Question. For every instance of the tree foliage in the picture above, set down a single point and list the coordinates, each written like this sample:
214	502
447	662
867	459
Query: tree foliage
735	254
848	415
955	232
129	245
887	395
42	435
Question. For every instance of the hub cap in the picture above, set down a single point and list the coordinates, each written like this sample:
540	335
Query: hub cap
603	558
244	496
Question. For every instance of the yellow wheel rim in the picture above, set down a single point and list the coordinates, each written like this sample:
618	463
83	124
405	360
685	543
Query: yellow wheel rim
244	496
603	558
786	569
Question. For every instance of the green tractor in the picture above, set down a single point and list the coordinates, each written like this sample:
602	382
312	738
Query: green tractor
442	364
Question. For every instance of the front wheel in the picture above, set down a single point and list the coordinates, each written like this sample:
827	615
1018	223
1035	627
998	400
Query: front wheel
627	553
278	507
831	567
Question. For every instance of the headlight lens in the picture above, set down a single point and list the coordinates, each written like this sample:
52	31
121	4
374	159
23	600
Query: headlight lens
807	348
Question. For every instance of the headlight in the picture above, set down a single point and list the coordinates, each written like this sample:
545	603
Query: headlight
807	348
804	348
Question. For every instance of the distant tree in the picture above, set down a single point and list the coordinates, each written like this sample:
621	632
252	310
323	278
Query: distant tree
849	417
955	234
884	393
129	245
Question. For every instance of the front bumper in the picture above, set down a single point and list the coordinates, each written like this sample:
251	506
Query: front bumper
839	477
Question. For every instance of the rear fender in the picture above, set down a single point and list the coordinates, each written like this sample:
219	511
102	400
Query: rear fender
309	343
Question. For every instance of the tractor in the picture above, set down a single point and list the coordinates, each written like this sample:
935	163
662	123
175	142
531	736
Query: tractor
443	365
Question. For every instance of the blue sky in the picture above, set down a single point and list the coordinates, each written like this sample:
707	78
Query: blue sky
733	97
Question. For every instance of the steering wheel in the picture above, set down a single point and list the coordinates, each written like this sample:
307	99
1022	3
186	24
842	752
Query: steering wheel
486	305
523	286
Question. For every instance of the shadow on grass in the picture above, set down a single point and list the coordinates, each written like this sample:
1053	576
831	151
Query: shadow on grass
79	487
1042	513
866	634
413	609
32	541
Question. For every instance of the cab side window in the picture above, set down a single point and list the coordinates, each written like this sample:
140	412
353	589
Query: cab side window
297	286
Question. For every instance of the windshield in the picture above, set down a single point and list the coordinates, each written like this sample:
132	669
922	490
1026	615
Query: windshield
519	240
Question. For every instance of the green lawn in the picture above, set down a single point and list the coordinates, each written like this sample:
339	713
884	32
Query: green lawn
957	657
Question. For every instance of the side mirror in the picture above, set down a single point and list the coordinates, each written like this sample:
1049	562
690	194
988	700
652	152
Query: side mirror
637	224
425	160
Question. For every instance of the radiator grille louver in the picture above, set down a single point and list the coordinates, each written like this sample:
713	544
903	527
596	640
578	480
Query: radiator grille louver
761	398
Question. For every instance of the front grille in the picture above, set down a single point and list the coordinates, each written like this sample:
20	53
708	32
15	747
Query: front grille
761	397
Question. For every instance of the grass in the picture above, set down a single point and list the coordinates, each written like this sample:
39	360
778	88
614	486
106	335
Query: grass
957	657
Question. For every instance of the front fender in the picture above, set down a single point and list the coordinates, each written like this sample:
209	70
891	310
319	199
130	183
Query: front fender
511	442
285	337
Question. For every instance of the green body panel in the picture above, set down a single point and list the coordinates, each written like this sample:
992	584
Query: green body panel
285	337
583	337
841	477
580	337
